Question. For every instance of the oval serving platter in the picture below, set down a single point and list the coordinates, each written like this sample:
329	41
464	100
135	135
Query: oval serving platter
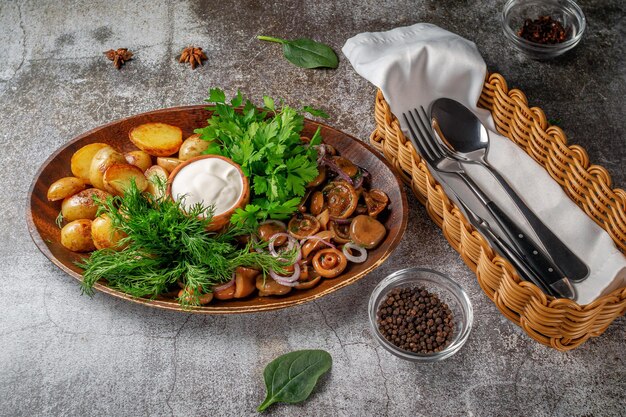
41	214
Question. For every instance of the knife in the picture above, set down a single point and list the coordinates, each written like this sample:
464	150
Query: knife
549	281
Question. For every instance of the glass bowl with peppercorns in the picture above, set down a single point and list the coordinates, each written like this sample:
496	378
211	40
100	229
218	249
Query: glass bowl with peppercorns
420	315
543	29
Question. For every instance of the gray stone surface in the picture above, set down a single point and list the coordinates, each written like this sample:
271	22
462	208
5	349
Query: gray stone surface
63	354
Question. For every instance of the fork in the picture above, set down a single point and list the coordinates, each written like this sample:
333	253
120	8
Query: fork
533	257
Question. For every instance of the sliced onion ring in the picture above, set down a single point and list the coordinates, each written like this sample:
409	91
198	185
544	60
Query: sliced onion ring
317	238
290	279
287	283
291	242
355	259
225	286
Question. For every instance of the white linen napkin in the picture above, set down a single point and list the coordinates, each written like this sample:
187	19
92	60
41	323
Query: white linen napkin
417	64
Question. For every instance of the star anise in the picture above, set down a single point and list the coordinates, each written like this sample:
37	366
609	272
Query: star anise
193	55
119	56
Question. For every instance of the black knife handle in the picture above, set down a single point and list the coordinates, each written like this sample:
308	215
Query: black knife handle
532	254
575	268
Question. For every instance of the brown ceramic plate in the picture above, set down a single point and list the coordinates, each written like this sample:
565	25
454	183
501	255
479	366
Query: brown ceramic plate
46	234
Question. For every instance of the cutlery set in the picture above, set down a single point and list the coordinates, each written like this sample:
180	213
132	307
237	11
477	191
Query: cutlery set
453	136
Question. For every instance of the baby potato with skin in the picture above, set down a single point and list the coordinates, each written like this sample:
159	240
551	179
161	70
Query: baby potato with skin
81	205
192	146
168	163
140	159
76	236
118	178
104	235
157	139
102	160
81	160
156	174
65	187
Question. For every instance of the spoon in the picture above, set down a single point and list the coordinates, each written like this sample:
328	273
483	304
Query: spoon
467	139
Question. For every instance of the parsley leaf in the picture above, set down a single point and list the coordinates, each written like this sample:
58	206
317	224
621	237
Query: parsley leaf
266	144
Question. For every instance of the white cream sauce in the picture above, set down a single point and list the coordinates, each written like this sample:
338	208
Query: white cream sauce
209	181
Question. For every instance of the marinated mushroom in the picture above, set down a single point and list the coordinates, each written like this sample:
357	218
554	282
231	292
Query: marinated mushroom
376	201
345	165
366	231
270	228
188	295
267	286
227	293
330	262
321	176
341	199
323	218
341	230
317	203
308	279
311	245
245	281
303	202
303	225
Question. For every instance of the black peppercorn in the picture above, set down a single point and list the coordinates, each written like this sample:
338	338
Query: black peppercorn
422	323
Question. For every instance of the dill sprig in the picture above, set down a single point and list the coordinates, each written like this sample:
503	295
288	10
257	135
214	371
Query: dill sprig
166	245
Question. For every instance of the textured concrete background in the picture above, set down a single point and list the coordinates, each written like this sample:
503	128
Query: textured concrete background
66	354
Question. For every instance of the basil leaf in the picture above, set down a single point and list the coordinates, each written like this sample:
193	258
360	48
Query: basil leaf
306	53
315	112
290	378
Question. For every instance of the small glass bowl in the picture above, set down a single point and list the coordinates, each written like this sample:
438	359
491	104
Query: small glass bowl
566	11
436	283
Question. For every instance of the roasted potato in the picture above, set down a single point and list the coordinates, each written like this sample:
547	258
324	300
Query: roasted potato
157	139
76	236
168	163
156	174
103	159
65	187
192	146
118	177
104	235
81	205
140	159
81	160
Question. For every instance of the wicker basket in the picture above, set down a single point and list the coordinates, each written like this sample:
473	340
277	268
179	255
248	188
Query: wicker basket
558	323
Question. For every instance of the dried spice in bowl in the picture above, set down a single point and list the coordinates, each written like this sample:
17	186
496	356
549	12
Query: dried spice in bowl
415	320
543	30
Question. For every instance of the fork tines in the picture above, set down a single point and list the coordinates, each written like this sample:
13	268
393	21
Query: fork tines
422	136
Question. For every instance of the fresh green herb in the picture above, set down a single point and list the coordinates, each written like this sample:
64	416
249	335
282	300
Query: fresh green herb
306	53
166	245
266	144
554	122
315	112
290	378
59	220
